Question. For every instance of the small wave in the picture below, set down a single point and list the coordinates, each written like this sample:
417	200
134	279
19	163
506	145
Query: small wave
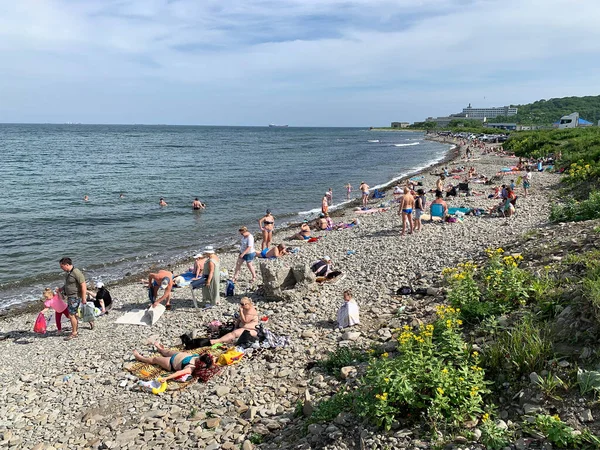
406	145
373	140
310	212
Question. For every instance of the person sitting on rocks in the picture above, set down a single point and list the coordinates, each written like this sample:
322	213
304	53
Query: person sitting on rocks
247	320
323	269
322	222
304	233
439	198
180	363
348	314
103	299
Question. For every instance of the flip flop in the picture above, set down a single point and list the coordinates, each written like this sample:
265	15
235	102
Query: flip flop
71	336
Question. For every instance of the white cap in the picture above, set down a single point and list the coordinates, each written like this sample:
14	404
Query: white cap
99	284
326	258
209	249
198	255
165	283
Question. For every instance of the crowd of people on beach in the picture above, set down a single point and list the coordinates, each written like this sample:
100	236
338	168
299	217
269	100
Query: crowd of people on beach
78	304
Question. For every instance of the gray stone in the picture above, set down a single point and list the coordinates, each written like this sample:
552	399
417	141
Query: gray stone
535	378
347	372
477	434
222	391
213	422
247	445
501	424
350	335
308	334
586	416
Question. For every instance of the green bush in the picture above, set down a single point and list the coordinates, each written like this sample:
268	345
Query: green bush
434	374
523	349
327	410
342	357
562	435
492	436
577	211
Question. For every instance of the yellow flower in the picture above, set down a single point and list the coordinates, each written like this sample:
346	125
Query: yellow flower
387	380
440	391
555	417
382	397
475	354
385	355
444	370
485	417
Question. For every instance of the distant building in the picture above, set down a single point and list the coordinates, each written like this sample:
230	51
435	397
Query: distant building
400	124
573	121
501	126
489	113
440	122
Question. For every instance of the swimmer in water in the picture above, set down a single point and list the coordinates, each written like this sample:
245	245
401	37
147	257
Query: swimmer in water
121	195
162	202
197	204
85	198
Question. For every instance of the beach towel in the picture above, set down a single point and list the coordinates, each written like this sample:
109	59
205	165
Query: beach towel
348	315
455	210
371	210
147	317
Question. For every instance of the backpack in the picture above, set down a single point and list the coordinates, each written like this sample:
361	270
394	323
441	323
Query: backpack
229	290
404	290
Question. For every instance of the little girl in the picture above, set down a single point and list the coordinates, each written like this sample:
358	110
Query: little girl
54	301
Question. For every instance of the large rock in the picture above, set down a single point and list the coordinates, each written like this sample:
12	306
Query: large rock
279	279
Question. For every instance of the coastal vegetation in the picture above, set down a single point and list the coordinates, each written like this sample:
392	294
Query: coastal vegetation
577	154
546	112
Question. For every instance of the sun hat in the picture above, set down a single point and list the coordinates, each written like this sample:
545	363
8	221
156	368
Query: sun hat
99	284
165	283
179	280
326	258
209	249
198	255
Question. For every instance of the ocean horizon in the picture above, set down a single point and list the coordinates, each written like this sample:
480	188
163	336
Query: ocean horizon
238	172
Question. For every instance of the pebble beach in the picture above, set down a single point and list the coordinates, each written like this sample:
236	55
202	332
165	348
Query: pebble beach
76	394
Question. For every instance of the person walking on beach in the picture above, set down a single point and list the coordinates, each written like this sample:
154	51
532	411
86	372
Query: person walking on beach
163	279
527	182
266	225
75	291
247	254
364	187
212	272
406	209
348	191
197	205
324	204
420	202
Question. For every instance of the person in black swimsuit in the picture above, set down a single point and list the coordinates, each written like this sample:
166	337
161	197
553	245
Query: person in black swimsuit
197	205
266	224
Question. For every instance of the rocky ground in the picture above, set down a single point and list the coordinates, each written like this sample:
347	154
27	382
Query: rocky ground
76	394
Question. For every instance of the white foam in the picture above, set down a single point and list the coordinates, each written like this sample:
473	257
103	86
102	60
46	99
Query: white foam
406	145
373	140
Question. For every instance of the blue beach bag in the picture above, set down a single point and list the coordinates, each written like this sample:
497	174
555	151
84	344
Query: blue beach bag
229	290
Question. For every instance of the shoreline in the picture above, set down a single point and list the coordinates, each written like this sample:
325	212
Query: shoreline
450	154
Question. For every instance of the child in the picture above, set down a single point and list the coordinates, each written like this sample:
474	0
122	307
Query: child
54	301
348	314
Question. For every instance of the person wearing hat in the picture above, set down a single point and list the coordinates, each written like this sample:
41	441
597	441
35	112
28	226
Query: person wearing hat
199	260
266	225
420	202
103	299
322	267
322	222
163	279
212	272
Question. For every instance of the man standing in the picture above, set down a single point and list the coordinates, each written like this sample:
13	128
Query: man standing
324	204
406	209
364	187
75	291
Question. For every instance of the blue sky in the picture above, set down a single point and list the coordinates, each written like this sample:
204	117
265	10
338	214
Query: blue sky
300	62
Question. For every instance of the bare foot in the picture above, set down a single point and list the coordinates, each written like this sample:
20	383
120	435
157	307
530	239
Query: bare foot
137	355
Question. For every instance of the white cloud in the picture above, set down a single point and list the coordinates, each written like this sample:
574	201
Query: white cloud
396	55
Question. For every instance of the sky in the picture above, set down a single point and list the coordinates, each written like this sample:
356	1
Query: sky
296	62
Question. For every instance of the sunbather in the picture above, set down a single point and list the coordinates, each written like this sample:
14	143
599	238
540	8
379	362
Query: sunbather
275	252
247	320
304	233
181	363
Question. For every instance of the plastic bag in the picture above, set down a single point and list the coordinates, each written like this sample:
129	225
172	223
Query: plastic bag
87	312
231	356
40	324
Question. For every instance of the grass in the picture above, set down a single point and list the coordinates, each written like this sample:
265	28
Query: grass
342	357
523	349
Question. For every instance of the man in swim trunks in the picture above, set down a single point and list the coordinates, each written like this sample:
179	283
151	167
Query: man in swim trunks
197	204
364	188
74	291
406	209
163	279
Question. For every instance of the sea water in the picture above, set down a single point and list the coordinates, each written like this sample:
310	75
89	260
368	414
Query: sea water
239	172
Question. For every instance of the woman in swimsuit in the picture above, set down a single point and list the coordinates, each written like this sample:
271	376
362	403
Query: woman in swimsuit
266	224
181	363
304	232
248	320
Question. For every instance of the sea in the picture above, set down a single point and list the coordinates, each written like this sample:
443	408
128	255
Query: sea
239	172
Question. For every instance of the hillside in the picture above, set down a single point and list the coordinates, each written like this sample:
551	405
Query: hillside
545	112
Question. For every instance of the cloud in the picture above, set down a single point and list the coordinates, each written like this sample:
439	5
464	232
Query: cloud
327	62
